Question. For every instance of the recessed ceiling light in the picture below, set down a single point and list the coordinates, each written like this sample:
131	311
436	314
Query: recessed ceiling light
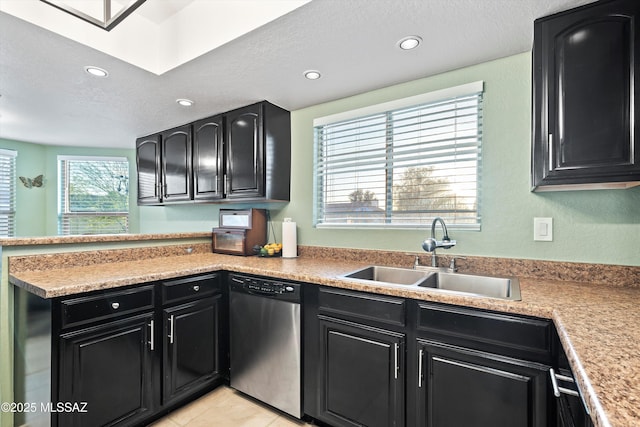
96	71
312	74
185	102
409	42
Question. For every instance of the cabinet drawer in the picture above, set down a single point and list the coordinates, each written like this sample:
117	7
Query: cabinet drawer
507	334
111	304
362	305
190	288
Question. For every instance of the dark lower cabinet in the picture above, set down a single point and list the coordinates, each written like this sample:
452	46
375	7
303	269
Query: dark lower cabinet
191	358
464	387
571	409
136	353
109	368
572	413
362	380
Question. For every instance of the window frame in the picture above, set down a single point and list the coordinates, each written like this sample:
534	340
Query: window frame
387	108
64	212
9	182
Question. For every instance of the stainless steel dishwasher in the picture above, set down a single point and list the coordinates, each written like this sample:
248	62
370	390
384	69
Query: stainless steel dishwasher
265	335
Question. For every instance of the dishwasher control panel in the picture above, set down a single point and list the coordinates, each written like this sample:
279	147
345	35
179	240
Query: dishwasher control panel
265	287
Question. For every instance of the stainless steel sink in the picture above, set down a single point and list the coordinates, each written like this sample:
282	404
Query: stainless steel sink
487	286
468	284
389	275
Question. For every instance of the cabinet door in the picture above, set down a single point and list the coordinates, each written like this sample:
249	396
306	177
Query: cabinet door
461	387
245	157
191	355
585	95
109	368
176	164
148	167
362	375
208	159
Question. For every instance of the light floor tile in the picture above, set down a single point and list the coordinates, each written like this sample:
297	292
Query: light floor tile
225	407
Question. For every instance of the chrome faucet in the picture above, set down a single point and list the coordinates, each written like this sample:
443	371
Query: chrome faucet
431	244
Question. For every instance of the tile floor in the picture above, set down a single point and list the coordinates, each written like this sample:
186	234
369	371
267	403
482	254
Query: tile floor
225	407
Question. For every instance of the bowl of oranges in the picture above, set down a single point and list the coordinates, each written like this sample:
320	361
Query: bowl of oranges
268	250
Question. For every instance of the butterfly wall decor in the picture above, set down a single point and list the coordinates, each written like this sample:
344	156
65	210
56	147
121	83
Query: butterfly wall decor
30	183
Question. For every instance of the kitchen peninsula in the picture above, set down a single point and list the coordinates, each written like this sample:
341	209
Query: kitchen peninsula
592	306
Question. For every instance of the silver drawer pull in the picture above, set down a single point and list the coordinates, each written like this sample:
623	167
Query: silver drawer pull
420	356
151	342
550	149
171	329
396	365
557	390
115	305
196	288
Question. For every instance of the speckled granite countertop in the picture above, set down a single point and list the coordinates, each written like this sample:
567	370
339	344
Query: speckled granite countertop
598	325
103	238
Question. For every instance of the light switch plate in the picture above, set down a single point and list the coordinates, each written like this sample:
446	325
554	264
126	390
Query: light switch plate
543	229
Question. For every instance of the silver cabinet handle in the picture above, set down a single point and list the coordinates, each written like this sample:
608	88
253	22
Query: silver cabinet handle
550	148
151	342
196	288
420	356
115	305
171	329
554	382
558	390
396	367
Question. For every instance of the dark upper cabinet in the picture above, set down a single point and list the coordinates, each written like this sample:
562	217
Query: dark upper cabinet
258	152
245	156
176	164
148	166
585	98
208	166
241	155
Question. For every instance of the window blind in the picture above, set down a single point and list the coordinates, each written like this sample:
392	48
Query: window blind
7	192
401	167
94	195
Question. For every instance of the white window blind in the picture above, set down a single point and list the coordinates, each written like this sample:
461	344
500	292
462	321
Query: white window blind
94	195
7	192
401	164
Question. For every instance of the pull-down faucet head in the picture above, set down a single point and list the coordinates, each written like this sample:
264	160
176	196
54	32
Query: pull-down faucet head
431	244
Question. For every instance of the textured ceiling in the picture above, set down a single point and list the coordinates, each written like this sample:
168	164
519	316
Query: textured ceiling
48	98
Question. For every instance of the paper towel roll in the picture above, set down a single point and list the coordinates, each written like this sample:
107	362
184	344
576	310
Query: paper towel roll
289	239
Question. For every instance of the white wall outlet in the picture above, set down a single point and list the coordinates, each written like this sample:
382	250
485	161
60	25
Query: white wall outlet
543	229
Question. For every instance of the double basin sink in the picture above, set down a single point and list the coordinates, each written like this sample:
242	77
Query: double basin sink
439	280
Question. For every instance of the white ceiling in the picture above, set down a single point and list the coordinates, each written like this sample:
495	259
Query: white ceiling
46	97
